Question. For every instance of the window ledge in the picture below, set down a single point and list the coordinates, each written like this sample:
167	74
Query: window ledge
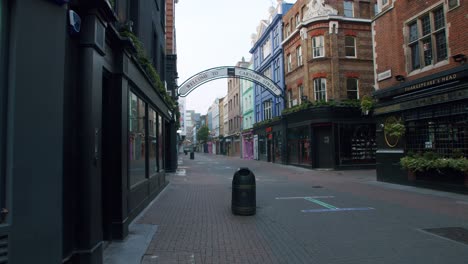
430	67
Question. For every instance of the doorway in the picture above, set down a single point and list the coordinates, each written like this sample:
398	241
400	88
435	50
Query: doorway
323	142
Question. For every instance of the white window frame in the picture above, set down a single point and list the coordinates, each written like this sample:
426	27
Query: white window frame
347	10
299	56
267	110
419	40
298	19
289	98
353	47
289	58
301	92
356	90
318	47
266	49
322	91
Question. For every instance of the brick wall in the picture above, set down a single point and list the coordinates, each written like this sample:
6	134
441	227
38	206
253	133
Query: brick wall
335	67
390	35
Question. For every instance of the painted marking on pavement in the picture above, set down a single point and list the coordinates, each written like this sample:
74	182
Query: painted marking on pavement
303	197
337	209
329	206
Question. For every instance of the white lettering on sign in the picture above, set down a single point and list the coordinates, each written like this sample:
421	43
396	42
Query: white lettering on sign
201	78
384	75
262	80
222	72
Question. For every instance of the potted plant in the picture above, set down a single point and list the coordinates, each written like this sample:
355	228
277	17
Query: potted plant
366	104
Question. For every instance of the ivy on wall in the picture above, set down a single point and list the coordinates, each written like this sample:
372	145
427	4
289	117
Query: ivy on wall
151	72
309	105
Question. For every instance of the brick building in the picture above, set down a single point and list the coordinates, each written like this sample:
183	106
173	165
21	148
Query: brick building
328	69
421	80
233	146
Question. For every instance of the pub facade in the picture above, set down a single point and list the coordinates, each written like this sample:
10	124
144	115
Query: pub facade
422	83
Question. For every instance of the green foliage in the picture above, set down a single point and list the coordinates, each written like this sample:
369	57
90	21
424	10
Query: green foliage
151	72
330	103
432	161
266	122
366	103
395	129
202	133
350	103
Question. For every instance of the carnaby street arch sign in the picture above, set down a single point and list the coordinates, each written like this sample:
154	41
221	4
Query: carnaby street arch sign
228	72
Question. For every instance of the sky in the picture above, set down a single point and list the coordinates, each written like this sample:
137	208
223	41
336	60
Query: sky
212	33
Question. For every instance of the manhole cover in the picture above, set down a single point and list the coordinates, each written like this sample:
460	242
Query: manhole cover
458	234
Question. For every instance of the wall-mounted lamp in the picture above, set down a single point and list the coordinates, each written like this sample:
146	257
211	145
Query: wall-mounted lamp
74	23
460	58
304	98
400	78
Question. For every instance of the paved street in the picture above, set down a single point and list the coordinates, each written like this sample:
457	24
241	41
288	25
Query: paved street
303	216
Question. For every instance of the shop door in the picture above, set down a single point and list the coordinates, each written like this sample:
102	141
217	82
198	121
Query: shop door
323	142
269	151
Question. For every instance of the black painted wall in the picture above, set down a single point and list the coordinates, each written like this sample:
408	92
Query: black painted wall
35	130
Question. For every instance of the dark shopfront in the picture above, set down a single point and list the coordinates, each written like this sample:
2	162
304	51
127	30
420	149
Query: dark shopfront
331	137
434	111
122	150
100	133
270	142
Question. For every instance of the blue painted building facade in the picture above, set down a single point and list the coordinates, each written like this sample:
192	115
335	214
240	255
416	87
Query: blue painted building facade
268	58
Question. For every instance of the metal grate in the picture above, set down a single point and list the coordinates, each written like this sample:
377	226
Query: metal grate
444	136
458	234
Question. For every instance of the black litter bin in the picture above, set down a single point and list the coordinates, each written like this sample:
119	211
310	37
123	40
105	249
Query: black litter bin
192	155
243	192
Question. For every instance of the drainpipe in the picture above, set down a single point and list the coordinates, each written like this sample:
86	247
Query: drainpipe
333	30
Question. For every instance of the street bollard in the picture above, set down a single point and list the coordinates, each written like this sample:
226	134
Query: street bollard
192	155
243	192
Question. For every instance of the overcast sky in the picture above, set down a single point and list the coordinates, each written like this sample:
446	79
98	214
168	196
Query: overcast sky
213	33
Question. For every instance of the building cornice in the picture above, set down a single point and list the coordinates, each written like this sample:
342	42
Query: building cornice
324	19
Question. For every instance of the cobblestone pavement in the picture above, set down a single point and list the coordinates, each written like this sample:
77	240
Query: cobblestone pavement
303	216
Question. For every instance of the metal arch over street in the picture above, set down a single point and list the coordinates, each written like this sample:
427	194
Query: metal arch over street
228	72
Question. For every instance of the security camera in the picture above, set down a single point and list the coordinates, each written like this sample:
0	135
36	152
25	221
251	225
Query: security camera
74	22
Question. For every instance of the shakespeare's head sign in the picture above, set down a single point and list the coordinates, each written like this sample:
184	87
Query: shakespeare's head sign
228	72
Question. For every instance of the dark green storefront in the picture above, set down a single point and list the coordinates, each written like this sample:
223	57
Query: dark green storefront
434	111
